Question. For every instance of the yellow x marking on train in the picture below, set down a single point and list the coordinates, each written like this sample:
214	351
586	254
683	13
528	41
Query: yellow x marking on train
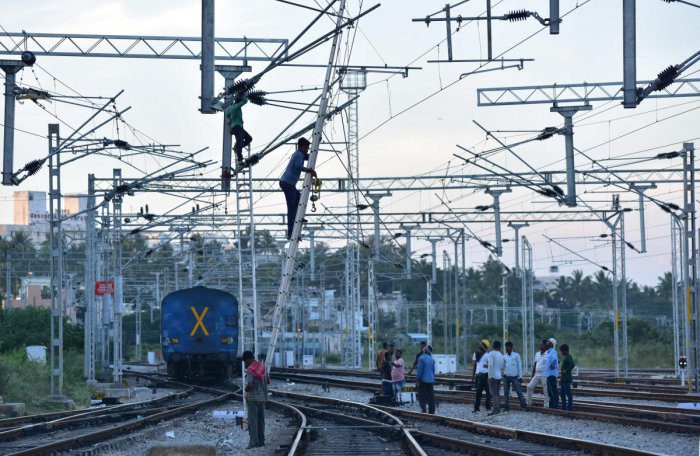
200	321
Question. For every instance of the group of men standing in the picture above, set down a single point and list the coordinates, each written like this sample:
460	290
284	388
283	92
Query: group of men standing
545	372
491	368
390	365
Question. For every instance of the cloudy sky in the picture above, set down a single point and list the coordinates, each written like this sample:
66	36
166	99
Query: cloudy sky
402	135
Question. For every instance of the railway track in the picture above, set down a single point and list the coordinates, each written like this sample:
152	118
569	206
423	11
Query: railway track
317	426
603	389
75	433
665	419
343	427
31	423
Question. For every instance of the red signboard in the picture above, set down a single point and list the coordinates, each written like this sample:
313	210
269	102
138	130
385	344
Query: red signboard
103	288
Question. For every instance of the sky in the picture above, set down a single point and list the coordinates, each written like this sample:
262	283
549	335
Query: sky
408	126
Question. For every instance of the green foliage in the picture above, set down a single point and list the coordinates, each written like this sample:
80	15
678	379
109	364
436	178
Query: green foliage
27	381
32	326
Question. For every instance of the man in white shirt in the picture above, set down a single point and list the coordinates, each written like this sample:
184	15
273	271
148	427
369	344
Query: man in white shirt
539	374
480	375
512	375
496	366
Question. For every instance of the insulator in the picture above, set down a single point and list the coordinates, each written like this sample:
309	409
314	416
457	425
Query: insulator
673	206
257	97
118	143
28	58
666	77
665	208
136	231
558	190
34	166
122	188
547	133
518	15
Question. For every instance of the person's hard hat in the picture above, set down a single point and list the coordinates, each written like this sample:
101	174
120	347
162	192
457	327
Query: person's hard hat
485	343
553	341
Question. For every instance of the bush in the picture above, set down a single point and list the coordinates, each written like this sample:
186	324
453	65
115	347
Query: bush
27	381
32	326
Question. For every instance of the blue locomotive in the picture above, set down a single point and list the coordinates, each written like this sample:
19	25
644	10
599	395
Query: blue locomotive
199	329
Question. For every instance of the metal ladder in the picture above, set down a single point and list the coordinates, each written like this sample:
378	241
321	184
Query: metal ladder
278	311
247	288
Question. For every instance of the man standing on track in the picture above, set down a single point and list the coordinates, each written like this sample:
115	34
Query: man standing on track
539	375
380	356
256	396
288	182
425	379
480	375
397	376
567	366
495	374
421	347
512	375
552	372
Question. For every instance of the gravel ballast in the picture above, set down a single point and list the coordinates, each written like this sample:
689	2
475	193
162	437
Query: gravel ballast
608	433
202	428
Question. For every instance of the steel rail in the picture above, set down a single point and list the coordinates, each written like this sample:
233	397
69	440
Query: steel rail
620	414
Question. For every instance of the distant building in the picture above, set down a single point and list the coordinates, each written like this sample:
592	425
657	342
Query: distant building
28	204
545	283
31	216
35	292
391	303
416	338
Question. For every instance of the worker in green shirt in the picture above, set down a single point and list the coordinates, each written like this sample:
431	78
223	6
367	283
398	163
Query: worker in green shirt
234	116
567	366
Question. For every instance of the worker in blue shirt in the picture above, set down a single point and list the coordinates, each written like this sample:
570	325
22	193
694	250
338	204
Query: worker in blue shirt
289	179
552	372
425	379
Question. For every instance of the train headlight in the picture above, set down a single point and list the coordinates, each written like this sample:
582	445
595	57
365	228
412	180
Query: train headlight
174	340
227	340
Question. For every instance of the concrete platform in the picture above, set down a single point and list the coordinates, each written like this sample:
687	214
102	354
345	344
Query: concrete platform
116	390
13	409
182	450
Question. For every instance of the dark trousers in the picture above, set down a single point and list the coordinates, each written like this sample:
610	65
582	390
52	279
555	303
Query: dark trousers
292	195
494	387
387	387
426	394
482	384
515	381
552	392
243	139
256	423
566	395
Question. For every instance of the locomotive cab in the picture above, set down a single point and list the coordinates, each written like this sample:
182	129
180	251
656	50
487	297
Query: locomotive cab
199	329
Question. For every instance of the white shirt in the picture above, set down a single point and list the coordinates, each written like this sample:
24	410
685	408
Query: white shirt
496	365
514	368
541	363
481	364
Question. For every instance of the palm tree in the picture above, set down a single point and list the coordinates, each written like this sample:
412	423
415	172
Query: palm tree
665	286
